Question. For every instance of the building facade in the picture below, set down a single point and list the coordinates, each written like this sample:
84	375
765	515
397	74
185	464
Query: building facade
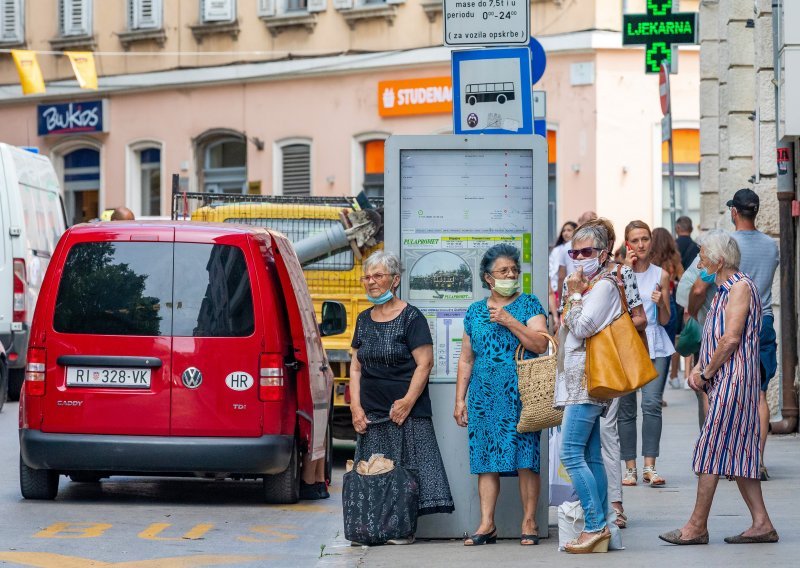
290	97
741	125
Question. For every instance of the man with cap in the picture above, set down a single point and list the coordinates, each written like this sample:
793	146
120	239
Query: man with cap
759	261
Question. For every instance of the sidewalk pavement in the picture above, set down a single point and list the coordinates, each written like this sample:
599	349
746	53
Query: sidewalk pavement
650	512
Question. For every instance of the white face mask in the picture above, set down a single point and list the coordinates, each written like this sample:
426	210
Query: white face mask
590	266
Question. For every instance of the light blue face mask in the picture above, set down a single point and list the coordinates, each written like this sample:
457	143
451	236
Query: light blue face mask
706	277
382	299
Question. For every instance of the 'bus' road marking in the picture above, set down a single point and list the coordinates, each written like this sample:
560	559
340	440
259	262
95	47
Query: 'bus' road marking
50	560
195	533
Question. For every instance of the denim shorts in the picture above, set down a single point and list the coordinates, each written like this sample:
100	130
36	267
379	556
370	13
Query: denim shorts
768	351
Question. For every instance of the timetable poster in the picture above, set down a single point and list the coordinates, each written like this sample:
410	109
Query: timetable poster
454	205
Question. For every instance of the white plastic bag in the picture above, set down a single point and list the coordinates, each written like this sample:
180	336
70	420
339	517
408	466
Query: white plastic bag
571	523
560	485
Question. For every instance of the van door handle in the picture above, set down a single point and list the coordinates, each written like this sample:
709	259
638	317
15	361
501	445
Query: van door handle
293	365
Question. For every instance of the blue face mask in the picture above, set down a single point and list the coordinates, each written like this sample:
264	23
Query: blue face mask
382	299
706	277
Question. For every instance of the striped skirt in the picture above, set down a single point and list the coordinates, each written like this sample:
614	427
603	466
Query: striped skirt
729	440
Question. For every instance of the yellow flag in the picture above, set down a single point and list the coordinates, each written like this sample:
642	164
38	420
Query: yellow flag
30	75
83	66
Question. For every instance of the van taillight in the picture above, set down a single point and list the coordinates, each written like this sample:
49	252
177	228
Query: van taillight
19	290
271	373
34	372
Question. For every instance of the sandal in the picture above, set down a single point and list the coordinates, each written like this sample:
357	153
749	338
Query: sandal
763	473
630	477
529	539
622	518
479	539
650	475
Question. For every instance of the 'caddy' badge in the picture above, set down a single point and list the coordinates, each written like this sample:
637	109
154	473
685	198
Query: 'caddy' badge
192	377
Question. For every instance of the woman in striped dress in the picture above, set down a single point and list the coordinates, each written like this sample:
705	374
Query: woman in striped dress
728	371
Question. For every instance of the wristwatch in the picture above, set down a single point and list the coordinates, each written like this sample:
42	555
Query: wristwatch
575	297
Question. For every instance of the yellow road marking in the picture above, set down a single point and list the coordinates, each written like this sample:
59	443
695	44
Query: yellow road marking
277	536
51	560
195	533
73	530
302	508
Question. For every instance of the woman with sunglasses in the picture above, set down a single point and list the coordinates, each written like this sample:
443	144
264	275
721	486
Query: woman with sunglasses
592	303
654	289
392	357
493	329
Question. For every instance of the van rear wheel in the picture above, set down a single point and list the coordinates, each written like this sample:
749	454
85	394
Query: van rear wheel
37	483
15	379
284	488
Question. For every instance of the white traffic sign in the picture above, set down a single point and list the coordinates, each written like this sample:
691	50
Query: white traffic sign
487	22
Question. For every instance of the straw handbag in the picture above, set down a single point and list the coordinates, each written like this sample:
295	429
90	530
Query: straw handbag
537	386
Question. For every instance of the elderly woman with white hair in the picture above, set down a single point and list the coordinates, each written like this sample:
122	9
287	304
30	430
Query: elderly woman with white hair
392	357
728	371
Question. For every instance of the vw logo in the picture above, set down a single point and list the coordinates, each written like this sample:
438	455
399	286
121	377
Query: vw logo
192	377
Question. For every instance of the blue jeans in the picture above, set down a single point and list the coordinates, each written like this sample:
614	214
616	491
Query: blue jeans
652	394
582	458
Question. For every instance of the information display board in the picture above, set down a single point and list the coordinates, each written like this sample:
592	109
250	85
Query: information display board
457	196
486	22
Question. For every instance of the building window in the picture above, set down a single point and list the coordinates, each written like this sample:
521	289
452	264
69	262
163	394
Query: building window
150	181
373	168
75	17
12	22
218	10
296	169
145	14
225	166
686	155
82	185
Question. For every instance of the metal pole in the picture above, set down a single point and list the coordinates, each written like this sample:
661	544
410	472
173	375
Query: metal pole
672	212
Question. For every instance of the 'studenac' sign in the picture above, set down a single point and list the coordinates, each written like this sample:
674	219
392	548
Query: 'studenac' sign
71	118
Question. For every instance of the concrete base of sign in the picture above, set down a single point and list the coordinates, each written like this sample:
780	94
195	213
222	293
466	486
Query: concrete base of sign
464	486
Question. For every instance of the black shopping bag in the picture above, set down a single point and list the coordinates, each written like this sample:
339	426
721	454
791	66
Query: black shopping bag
382	507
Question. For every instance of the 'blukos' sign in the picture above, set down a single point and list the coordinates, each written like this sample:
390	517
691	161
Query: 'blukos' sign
71	118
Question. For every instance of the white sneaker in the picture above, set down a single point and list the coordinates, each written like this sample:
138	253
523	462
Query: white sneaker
675	382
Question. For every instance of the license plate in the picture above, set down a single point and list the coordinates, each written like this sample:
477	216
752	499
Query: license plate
108	377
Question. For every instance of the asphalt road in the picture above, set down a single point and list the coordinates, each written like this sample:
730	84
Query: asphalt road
160	522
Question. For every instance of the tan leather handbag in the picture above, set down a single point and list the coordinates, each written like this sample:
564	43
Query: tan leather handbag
617	362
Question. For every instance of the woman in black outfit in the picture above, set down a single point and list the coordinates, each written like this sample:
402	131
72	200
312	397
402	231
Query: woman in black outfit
392	357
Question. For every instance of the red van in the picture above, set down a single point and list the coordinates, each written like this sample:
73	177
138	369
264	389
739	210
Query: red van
175	348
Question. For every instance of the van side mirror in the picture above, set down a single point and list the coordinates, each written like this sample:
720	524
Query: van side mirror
334	318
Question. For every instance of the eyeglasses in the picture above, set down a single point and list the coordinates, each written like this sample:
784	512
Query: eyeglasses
377	276
508	271
584	252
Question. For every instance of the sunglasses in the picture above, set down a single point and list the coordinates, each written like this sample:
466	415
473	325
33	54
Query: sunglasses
584	252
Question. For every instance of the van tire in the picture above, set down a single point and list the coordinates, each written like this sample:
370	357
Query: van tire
39	484
284	488
3	382
15	380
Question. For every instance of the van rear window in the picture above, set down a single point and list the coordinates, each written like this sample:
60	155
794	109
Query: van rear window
116	289
128	288
212	292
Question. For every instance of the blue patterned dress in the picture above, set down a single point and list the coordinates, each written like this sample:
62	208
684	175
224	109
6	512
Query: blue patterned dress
493	404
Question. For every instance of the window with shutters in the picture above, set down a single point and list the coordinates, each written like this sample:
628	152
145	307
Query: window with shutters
354	11
295	169
12	26
145	14
75	17
218	10
279	15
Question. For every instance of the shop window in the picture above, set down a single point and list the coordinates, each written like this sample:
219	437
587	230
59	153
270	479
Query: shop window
75	17
552	188
373	168
218	10
145	14
12	22
225	166
686	155
296	169
82	184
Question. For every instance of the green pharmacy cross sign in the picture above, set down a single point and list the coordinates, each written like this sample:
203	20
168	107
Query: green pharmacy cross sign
659	30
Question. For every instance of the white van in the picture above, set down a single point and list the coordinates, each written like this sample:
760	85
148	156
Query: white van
31	222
